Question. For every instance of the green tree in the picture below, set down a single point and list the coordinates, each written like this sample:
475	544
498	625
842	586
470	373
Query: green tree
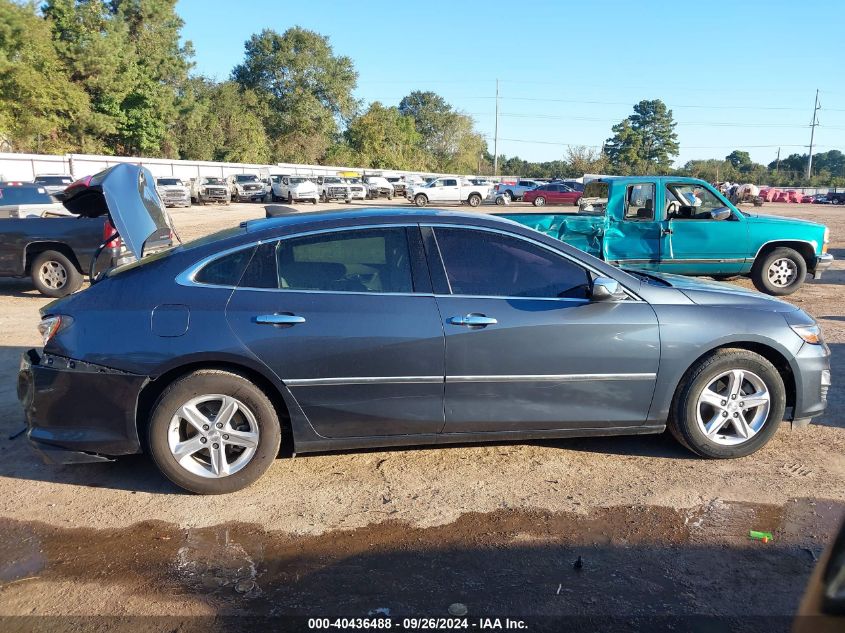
40	108
644	141
383	138
307	88
740	160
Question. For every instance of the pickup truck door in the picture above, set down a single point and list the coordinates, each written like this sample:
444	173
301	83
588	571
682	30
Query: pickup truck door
695	242
633	232
450	190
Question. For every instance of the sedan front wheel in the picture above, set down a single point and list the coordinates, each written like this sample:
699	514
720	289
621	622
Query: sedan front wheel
729	404
213	432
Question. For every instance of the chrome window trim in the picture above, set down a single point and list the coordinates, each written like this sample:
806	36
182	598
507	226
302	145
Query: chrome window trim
518	236
389	380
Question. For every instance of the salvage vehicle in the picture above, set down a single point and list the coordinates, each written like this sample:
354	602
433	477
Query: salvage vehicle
294	189
399	185
378	187
57	250
246	187
174	192
25	200
448	189
515	191
334	188
684	225
211	189
552	193
357	188
55	184
388	328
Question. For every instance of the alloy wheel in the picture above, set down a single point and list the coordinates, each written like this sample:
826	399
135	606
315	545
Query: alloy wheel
733	407
782	272
213	435
52	274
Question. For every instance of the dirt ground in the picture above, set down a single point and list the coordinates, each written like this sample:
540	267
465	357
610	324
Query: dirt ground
496	527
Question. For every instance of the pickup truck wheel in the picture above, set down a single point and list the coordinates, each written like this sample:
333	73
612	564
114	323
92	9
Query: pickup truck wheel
213	432
474	200
290	198
510	195
314	200
420	200
390	196
54	275
539	201
729	404
779	272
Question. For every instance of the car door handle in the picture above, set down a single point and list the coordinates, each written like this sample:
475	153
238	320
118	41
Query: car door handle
279	319
473	320
666	231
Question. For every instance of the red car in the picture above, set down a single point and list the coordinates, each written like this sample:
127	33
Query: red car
552	193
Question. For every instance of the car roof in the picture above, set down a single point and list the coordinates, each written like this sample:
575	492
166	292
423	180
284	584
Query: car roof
642	179
372	215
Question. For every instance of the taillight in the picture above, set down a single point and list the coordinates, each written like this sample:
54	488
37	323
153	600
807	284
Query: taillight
110	237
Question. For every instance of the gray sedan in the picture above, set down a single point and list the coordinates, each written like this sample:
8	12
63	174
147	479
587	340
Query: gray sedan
389	327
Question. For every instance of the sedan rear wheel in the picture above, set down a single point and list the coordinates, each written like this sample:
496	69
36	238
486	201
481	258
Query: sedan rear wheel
539	201
213	432
729	404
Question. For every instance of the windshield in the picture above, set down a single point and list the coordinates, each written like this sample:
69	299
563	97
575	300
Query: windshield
332	180
163	182
700	198
298	181
246	178
213	181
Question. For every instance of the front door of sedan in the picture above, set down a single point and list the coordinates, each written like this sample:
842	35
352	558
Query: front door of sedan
526	349
345	319
566	195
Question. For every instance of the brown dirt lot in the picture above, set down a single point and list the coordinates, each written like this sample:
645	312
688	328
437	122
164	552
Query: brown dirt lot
494	526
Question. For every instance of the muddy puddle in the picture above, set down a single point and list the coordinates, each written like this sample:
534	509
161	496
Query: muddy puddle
620	561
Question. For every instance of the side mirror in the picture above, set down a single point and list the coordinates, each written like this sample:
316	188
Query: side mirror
720	214
604	288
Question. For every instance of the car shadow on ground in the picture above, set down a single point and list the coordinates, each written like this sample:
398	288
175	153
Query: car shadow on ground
21	288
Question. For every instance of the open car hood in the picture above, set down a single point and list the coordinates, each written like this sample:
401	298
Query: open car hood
127	194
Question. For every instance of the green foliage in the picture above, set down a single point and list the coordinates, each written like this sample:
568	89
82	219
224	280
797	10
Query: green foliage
383	138
645	141
306	87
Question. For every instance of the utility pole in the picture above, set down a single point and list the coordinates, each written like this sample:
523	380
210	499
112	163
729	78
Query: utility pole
496	135
813	125
777	164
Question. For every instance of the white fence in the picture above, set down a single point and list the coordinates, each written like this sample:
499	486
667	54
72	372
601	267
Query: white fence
26	166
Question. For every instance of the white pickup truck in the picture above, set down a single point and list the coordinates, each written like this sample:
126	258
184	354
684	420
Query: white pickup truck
294	188
334	188
448	189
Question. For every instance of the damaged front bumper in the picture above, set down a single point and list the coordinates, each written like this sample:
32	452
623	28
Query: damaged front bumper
78	411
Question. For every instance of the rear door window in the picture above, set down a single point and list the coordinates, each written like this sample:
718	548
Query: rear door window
365	260
639	202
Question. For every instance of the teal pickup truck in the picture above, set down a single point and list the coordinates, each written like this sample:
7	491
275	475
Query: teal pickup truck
685	226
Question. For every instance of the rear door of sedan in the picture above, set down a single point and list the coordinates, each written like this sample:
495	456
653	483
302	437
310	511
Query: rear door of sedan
347	320
526	349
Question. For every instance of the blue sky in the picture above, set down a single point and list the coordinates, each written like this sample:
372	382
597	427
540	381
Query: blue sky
736	74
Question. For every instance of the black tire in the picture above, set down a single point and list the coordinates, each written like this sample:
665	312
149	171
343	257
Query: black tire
761	269
213	381
290	197
236	197
390	196
474	200
314	201
420	200
510	195
54	274
683	423
348	201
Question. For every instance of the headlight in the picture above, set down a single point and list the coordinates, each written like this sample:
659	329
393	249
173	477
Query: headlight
51	325
810	333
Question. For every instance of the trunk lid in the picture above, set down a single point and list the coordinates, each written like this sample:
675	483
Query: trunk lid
127	194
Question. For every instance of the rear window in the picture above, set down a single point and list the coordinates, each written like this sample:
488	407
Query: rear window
594	198
54	180
10	196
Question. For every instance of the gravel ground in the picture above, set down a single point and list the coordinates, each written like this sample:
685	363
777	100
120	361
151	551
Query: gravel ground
637	504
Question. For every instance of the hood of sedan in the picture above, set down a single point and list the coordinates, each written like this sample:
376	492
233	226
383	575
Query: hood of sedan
127	194
716	293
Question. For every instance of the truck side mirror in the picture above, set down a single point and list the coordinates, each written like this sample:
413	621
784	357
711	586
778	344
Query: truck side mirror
604	288
720	214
